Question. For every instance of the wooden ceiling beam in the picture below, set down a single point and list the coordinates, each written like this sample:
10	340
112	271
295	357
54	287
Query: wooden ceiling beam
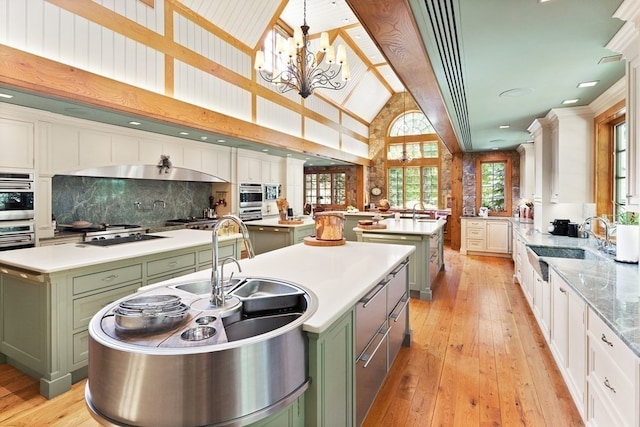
391	25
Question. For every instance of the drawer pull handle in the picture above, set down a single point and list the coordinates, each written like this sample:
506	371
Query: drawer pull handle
173	263
604	338
607	385
564	291
110	278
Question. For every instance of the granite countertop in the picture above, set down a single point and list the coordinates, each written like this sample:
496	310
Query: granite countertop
423	227
611	289
49	259
338	275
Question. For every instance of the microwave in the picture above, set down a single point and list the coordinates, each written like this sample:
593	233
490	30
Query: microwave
16	196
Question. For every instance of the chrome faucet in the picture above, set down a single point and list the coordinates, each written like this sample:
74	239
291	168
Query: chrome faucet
415	211
603	244
217	279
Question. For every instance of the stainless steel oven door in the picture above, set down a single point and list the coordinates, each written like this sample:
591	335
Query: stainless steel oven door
250	195
16	196
17	235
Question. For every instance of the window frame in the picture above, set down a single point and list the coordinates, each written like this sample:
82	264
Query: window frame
419	162
495	158
333	190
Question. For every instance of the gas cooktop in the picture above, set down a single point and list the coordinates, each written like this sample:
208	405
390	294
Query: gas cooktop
119	240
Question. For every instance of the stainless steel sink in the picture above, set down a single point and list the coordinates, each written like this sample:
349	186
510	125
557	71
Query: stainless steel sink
535	252
259	295
203	287
258	325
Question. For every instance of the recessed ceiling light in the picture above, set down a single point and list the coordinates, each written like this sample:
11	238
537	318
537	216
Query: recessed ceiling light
135	123
588	84
345	20
6	95
204	138
222	140
494	148
184	133
570	101
612	58
505	126
265	149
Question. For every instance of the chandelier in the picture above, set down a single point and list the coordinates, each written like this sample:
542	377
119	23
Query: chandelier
302	70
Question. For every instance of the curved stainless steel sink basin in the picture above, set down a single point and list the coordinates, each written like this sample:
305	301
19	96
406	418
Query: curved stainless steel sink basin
215	367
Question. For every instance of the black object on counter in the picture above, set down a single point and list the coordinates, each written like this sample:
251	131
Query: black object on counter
573	229
560	227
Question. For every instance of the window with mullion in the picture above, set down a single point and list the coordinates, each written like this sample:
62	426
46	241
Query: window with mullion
620	169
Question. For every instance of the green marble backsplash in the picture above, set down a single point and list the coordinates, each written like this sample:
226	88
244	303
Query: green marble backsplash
113	201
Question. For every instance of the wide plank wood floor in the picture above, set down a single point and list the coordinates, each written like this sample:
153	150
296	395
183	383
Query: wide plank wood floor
477	359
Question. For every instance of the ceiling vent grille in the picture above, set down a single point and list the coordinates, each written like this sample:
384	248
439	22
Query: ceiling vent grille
445	33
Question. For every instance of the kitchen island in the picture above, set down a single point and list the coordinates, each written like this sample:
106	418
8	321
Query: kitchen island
48	295
270	233
426	236
352	295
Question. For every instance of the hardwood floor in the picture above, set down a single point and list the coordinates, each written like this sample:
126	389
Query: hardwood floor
477	359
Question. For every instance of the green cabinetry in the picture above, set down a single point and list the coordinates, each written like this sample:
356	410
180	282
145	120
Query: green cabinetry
268	238
44	316
424	264
330	397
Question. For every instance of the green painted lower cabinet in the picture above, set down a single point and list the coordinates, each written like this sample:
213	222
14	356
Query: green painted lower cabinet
269	238
330	397
44	317
291	416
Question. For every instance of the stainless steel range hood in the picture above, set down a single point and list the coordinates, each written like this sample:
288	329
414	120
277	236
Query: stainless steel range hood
147	172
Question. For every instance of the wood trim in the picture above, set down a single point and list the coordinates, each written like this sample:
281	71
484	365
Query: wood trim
603	157
391	25
150	3
455	227
489	158
32	73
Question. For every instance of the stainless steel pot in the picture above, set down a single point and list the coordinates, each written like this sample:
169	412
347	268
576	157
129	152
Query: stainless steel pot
150	313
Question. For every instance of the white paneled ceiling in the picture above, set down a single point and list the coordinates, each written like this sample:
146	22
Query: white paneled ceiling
368	106
246	20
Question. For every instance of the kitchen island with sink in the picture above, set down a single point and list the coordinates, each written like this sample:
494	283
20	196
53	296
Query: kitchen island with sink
426	235
48	295
359	317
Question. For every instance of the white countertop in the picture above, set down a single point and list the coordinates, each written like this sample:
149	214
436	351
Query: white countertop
423	227
273	222
338	275
50	259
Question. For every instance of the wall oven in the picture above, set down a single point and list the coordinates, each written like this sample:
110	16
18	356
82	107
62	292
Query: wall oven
17	235
16	196
250	195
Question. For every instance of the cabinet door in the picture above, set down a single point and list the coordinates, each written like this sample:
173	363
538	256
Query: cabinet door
559	324
576	347
498	236
249	169
265	239
16	144
329	399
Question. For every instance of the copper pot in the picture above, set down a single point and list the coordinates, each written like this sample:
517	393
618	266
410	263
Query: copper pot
329	225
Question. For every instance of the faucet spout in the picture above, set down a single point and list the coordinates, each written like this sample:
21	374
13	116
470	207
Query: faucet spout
602	243
217	286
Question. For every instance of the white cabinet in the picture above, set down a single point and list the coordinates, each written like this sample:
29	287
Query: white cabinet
612	377
568	337
249	168
571	154
486	235
527	171
272	170
541	303
16	144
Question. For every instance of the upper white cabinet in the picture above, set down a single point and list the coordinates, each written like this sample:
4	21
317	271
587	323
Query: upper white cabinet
272	170
249	167
527	171
16	144
571	155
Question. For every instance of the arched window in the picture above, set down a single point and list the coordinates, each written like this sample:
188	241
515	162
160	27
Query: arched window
413	162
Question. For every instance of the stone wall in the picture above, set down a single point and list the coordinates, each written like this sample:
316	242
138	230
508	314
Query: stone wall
379	129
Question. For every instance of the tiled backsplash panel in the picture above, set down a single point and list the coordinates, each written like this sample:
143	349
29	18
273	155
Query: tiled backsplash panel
113	201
